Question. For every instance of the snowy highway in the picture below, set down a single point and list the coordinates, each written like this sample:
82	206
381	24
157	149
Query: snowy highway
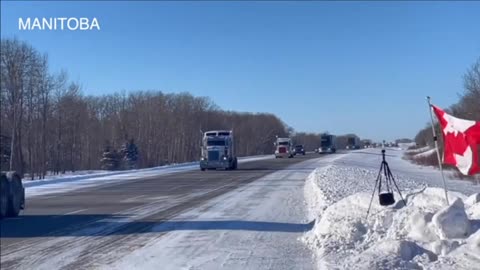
302	213
249	218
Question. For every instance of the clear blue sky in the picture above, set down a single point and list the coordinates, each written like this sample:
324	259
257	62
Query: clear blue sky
362	67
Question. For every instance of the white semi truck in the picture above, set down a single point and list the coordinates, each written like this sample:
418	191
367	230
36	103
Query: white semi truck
284	148
12	194
218	150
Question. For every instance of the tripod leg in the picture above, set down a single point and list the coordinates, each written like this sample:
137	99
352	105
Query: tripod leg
371	199
395	183
386	169
374	188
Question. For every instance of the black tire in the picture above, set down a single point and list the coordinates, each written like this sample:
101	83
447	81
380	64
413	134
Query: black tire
16	195
4	188
235	164
202	169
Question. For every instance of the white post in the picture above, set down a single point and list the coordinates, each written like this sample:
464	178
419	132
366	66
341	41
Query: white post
438	151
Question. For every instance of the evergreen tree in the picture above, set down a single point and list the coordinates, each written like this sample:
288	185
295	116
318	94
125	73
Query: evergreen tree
130	155
110	159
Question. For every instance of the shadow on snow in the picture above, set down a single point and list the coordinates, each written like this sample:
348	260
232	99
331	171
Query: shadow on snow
110	225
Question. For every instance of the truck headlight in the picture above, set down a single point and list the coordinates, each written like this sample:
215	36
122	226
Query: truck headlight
224	158
202	158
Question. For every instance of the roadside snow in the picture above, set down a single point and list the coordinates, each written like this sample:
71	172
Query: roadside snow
418	150
405	146
425	153
423	234
73	182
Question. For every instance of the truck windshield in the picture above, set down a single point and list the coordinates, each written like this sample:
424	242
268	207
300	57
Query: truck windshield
326	141
283	143
215	143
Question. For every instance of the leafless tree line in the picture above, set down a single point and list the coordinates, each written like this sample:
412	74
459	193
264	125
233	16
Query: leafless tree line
468	106
47	124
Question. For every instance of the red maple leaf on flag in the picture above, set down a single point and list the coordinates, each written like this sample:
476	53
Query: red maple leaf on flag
460	138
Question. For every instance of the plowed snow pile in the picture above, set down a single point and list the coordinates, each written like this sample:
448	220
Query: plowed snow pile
424	234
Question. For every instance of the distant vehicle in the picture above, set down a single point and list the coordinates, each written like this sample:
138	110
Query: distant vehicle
328	144
353	143
284	148
218	150
299	149
12	194
367	144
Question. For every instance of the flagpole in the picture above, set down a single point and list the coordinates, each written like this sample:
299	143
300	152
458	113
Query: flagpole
438	151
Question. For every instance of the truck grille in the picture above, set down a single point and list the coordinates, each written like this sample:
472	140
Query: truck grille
282	150
213	155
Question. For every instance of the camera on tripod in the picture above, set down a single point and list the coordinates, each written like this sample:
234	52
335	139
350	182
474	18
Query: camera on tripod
385	176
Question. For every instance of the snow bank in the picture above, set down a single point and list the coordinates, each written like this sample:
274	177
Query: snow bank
423	234
418	150
405	146
425	153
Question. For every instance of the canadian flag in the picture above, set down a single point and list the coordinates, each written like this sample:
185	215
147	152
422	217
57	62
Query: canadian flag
461	138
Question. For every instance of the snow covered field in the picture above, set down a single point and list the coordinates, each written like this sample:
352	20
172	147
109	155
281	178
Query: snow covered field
60	184
423	235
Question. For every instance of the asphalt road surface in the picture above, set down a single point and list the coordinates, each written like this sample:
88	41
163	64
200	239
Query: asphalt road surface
113	215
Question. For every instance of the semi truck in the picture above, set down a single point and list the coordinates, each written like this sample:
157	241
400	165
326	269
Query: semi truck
367	143
328	144
218	150
12	194
284	148
353	143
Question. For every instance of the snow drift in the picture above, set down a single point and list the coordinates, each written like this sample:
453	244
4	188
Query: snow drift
423	234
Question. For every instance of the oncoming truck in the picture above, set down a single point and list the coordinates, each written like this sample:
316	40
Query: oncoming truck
328	144
12	194
353	142
218	150
284	148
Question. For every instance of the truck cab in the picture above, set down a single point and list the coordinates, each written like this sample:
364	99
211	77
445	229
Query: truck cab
353	143
284	148
328	144
299	149
218	150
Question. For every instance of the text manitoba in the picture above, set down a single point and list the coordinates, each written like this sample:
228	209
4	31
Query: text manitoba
62	23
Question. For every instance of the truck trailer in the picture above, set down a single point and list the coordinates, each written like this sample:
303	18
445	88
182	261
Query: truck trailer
218	150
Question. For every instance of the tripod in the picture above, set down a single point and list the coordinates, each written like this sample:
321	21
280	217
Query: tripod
385	198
